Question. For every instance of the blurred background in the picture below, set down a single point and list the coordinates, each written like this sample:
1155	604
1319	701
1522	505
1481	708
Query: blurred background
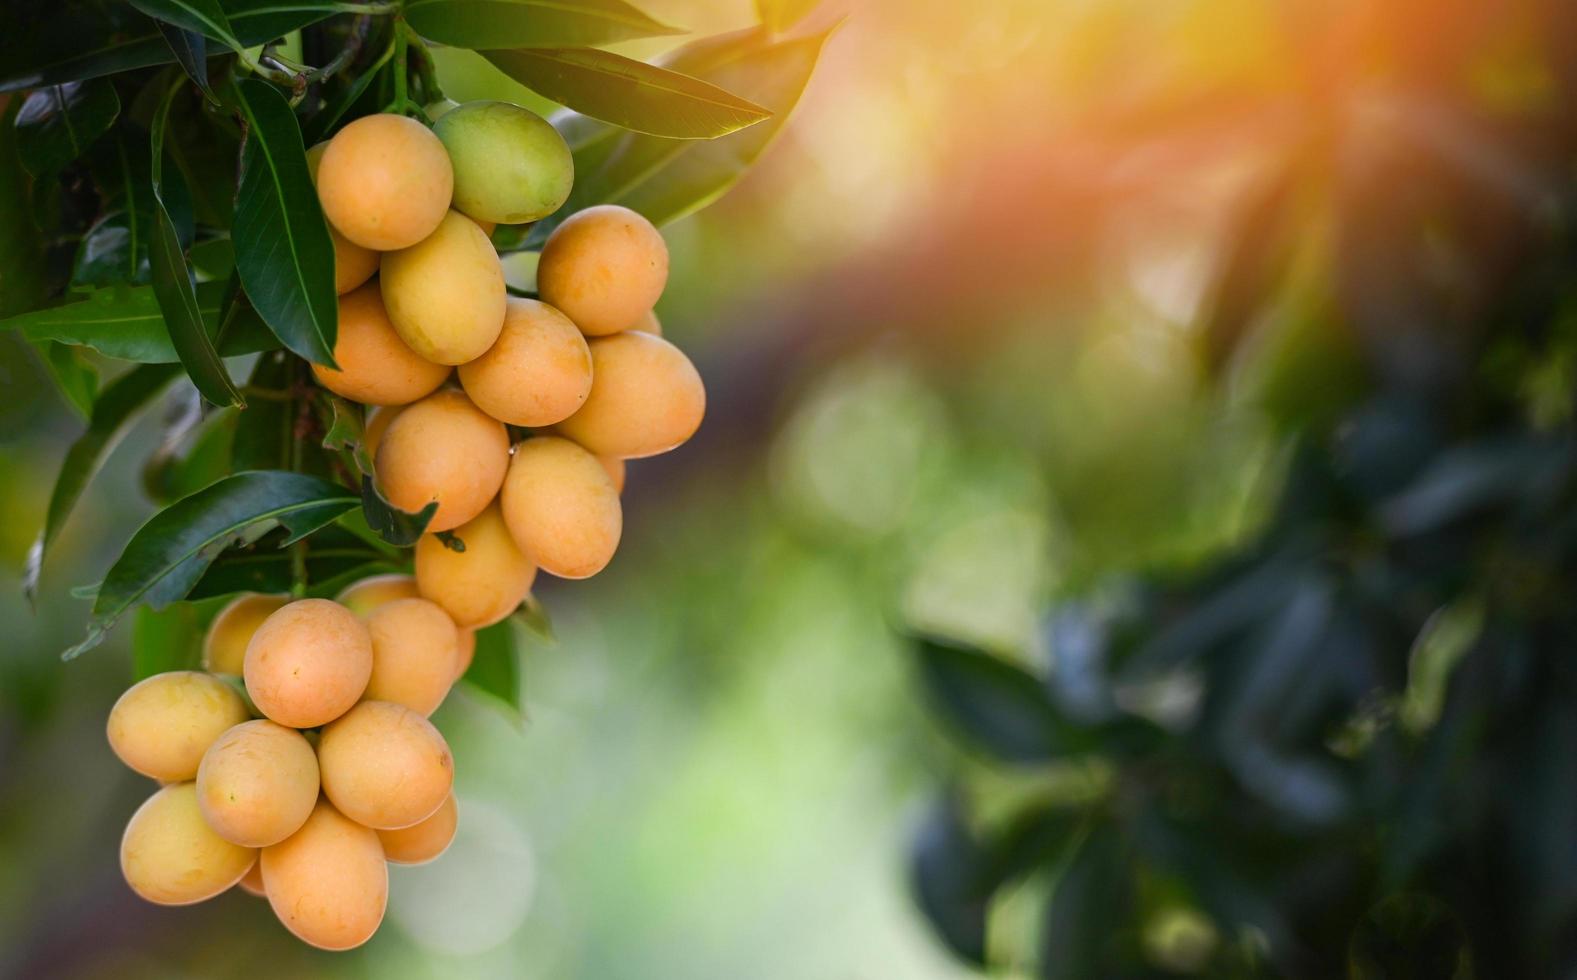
1037	306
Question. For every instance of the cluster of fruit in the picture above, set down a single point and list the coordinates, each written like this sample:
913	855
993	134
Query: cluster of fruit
300	760
524	454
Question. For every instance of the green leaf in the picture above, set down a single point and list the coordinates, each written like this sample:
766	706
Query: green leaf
169	554
533	615
113	414
75	376
780	15
344	433
333	557
203	17
23	283
166	639
124	322
282	245
265	430
995	705
665	180
630	94
191	53
172	287
948	872
495	670
72	40
1090	913
400	528
57	124
196	451
483	24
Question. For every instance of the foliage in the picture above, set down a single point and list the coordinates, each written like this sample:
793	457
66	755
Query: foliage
1342	748
159	211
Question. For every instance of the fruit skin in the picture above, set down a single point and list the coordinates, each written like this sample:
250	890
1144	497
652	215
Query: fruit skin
445	294
561	507
446	449
376	425
375	365
467	652
252	881
646	398
510	164
308	663
484	583
328	882
415	646
537	373
424	841
162	725
258	783
169	854
385	182
648	323
353	265
384	765
616	470
224	648
603	267
367	595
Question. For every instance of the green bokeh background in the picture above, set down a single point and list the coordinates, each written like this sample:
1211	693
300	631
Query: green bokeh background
946	328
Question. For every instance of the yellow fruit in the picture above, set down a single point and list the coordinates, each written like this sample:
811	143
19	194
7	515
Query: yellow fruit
415	646
377	424
424	841
646	398
162	725
308	663
484	583
561	507
445	294
603	268
375	366
648	323
169	854
328	882
258	783
467	652
353	265
616	470
252	882
363	597
385	182
224	648
384	765
538	371
443	448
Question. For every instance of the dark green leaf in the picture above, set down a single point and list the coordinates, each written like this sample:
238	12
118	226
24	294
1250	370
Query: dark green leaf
265	430
23	284
495	670
75	376
172	287
533	615
57	124
948	871
398	527
668	179
630	94
214	258
191	53
482	24
344	433
169	554
47	42
997	706
333	556
283	249
1469	479
124	322
1089	913
195	452
113	413
204	17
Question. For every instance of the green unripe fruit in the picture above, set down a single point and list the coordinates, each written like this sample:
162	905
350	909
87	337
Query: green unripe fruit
510	164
